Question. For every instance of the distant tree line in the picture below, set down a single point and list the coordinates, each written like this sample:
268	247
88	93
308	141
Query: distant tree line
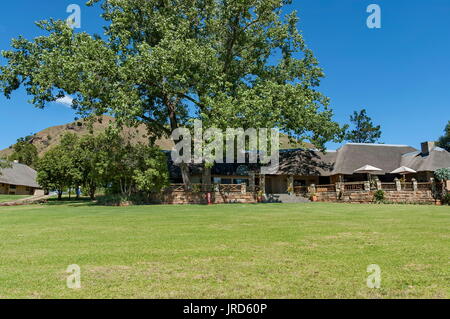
364	131
103	161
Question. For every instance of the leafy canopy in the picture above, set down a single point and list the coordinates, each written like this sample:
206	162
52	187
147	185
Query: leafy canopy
4	164
25	152
364	131
56	170
444	140
159	62
442	174
103	160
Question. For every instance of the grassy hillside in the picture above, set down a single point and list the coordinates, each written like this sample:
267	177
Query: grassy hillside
45	139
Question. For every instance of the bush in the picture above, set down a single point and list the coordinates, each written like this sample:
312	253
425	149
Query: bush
442	174
446	199
378	197
124	200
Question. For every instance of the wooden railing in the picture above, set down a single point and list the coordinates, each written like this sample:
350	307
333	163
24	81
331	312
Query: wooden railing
229	188
326	188
407	186
349	186
389	186
424	186
354	186
175	188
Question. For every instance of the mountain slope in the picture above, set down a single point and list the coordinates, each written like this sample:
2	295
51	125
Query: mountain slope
51	136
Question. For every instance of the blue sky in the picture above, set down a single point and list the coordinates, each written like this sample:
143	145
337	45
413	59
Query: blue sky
399	73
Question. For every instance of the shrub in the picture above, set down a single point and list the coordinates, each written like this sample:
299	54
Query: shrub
124	200
446	199
442	174
378	197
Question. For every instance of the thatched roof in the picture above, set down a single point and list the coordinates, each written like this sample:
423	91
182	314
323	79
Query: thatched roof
435	159
352	156
347	159
19	175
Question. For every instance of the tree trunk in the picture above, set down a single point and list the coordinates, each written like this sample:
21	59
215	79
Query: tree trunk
171	107
206	178
92	190
60	195
186	175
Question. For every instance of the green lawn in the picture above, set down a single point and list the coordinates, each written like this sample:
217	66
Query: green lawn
10	198
314	250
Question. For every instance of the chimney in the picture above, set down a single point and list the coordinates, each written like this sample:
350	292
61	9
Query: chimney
427	147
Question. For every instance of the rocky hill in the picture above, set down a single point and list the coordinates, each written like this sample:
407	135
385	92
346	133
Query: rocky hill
48	137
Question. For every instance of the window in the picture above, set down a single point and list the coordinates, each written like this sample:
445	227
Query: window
299	182
12	187
241	181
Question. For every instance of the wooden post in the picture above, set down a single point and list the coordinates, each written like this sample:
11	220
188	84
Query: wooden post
379	187
244	188
290	184
262	183
398	184
251	182
414	182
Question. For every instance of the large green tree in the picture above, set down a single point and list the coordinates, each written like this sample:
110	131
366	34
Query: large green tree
161	63
363	129
56	170
444	140
24	152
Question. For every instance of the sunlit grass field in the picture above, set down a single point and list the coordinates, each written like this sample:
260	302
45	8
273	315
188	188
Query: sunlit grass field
313	250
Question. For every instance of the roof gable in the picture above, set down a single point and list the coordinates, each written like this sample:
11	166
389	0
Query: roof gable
352	156
20	175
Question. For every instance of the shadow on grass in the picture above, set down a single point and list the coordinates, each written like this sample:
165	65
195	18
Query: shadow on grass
102	200
65	201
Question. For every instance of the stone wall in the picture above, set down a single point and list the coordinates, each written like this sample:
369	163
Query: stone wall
177	197
416	197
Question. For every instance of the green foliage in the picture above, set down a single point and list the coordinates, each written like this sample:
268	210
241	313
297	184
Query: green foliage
442	174
56	170
160	63
25	152
153	176
444	140
104	160
4	164
364	131
379	197
446	199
